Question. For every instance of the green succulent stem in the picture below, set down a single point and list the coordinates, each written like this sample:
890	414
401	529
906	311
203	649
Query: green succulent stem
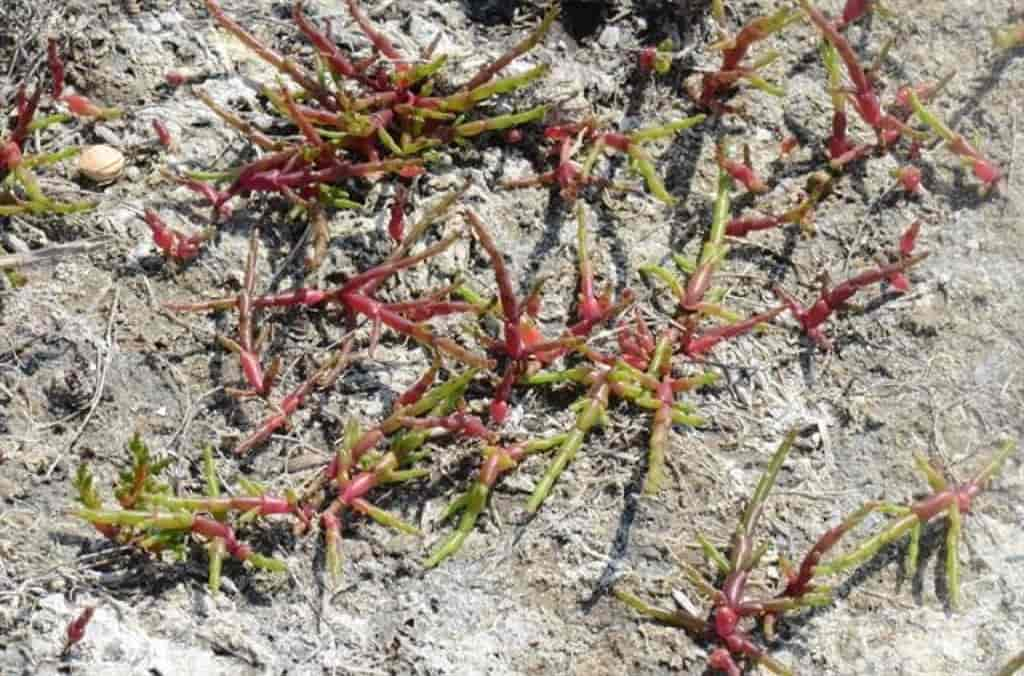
592	413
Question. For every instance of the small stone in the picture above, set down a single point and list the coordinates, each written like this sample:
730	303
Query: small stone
610	37
107	135
9	489
101	164
15	244
422	31
171	19
151	25
35	237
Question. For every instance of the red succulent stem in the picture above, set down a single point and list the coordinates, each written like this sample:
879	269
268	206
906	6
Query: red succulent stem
838	144
380	42
171	242
741	171
338	62
295	399
287	66
246	348
696	346
864	97
832	300
303	123
396	220
854	10
26	111
163	134
76	628
459	422
56	66
800	582
506	294
415	393
212	528
909	239
217	199
741	227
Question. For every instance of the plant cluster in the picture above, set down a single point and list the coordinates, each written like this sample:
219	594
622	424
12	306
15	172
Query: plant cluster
381	116
151	517
357	117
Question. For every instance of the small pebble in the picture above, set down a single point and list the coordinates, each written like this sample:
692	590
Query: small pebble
610	37
15	244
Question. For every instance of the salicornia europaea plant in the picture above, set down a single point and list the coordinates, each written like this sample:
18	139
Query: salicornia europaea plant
151	517
361	117
734	612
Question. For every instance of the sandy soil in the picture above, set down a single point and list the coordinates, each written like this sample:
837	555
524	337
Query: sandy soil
88	358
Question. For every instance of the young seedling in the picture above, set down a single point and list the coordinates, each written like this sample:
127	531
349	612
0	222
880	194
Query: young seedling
497	461
820	184
732	609
20	191
741	172
656	59
909	178
216	549
838	145
591	310
247	348
355	470
713	252
899	112
640	373
321	378
355	297
951	500
653	386
691	297
522	342
833	299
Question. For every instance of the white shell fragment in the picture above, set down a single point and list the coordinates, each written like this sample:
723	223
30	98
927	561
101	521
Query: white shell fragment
101	164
